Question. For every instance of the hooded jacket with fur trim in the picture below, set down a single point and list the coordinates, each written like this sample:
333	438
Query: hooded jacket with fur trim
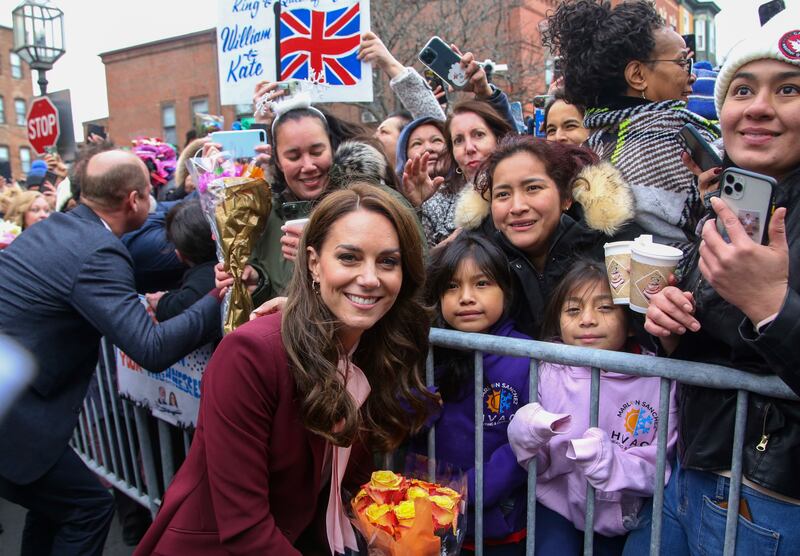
606	207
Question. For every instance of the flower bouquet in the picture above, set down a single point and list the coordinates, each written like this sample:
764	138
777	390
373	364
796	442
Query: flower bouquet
405	516
236	201
8	233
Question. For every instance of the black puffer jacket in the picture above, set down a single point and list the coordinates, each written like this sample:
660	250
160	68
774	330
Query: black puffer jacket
728	338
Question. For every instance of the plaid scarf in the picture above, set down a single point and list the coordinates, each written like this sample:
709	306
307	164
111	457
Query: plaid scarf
640	142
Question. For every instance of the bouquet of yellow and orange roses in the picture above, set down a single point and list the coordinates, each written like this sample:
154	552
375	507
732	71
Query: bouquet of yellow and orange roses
405	516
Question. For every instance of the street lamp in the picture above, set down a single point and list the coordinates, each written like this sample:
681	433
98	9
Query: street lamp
39	36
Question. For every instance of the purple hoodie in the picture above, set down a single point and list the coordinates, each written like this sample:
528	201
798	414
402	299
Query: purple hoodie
504	490
618	457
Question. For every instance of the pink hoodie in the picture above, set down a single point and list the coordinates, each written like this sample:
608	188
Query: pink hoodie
618	457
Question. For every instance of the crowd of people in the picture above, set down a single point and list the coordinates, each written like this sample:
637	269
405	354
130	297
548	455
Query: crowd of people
443	216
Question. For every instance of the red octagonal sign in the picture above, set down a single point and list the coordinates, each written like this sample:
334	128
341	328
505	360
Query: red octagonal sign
42	124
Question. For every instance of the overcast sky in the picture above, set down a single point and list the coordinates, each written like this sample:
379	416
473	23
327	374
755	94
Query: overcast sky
95	26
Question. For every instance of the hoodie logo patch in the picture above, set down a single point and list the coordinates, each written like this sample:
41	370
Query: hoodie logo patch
501	402
789	45
638	425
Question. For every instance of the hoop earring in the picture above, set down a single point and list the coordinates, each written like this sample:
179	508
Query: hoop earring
315	286
458	170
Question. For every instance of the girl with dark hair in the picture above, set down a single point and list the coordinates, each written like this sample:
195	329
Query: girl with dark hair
292	402
633	73
563	121
519	203
618	456
469	282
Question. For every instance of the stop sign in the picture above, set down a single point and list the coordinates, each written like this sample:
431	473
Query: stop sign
42	124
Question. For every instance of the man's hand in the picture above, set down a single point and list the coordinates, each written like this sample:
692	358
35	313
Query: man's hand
752	277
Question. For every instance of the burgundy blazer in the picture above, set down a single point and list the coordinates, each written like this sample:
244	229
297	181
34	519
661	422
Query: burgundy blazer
251	482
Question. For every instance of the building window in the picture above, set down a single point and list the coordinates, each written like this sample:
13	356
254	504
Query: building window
2	110
700	34
687	28
712	38
168	123
4	154
16	66
199	106
20	110
25	159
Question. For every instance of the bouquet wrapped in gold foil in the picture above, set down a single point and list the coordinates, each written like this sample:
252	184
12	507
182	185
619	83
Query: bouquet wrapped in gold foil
236	201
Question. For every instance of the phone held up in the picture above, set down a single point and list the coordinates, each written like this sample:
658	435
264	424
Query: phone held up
750	196
444	62
698	148
241	144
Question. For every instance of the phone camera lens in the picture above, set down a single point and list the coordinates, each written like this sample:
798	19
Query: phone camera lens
728	190
428	56
729	178
738	187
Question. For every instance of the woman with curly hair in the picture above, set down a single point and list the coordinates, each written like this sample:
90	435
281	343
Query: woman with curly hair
634	75
292	402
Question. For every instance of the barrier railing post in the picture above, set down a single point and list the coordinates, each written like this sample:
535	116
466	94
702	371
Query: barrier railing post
187	442
101	383
146	450
103	455
734	491
114	397
429	382
165	442
478	453
92	451
137	476
661	461
533	396
594	410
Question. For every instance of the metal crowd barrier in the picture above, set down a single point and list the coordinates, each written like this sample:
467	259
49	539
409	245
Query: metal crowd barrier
116	441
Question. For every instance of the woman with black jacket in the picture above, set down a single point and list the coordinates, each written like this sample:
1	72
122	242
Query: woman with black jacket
738	305
519	201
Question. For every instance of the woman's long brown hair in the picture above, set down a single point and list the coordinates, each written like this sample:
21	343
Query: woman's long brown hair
391	353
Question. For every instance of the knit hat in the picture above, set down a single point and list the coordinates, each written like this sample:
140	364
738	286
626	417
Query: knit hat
36	174
701	101
779	39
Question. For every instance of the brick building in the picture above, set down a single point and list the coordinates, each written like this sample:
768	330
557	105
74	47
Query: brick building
154	89
16	91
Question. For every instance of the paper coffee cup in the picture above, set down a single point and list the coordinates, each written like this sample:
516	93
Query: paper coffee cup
618	264
651	265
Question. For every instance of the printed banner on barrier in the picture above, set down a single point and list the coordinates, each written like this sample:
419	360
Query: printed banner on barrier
172	395
314	40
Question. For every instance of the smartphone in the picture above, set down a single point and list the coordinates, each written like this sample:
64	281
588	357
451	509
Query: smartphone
96	129
51	177
768	10
749	196
296	210
241	144
540	101
444	62
698	148
291	86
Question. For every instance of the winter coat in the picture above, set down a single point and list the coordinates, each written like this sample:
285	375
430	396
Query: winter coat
639	139
727	337
608	210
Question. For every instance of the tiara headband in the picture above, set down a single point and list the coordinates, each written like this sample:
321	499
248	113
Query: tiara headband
298	101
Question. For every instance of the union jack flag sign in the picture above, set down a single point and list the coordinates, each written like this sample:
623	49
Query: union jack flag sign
321	46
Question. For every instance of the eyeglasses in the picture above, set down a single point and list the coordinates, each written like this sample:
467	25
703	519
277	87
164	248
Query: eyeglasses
685	63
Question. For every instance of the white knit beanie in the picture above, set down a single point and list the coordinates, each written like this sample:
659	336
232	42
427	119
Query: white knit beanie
779	39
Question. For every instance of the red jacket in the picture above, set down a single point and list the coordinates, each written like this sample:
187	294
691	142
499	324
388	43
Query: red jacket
251	482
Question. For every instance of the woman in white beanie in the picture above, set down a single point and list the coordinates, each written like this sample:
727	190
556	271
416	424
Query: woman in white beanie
738	305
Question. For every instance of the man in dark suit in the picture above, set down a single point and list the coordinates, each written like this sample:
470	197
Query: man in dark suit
64	283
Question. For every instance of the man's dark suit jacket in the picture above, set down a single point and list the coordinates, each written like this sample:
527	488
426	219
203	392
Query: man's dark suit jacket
64	283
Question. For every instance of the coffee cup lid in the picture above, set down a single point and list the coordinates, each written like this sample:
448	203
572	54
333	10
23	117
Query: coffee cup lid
656	250
617	244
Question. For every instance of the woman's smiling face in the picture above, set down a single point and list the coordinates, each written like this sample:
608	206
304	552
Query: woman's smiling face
304	155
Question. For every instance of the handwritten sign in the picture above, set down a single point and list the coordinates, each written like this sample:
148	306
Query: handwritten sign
172	395
309	40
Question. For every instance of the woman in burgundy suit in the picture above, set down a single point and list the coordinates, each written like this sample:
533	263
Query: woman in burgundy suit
293	403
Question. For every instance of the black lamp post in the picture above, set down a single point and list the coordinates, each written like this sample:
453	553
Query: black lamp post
39	36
